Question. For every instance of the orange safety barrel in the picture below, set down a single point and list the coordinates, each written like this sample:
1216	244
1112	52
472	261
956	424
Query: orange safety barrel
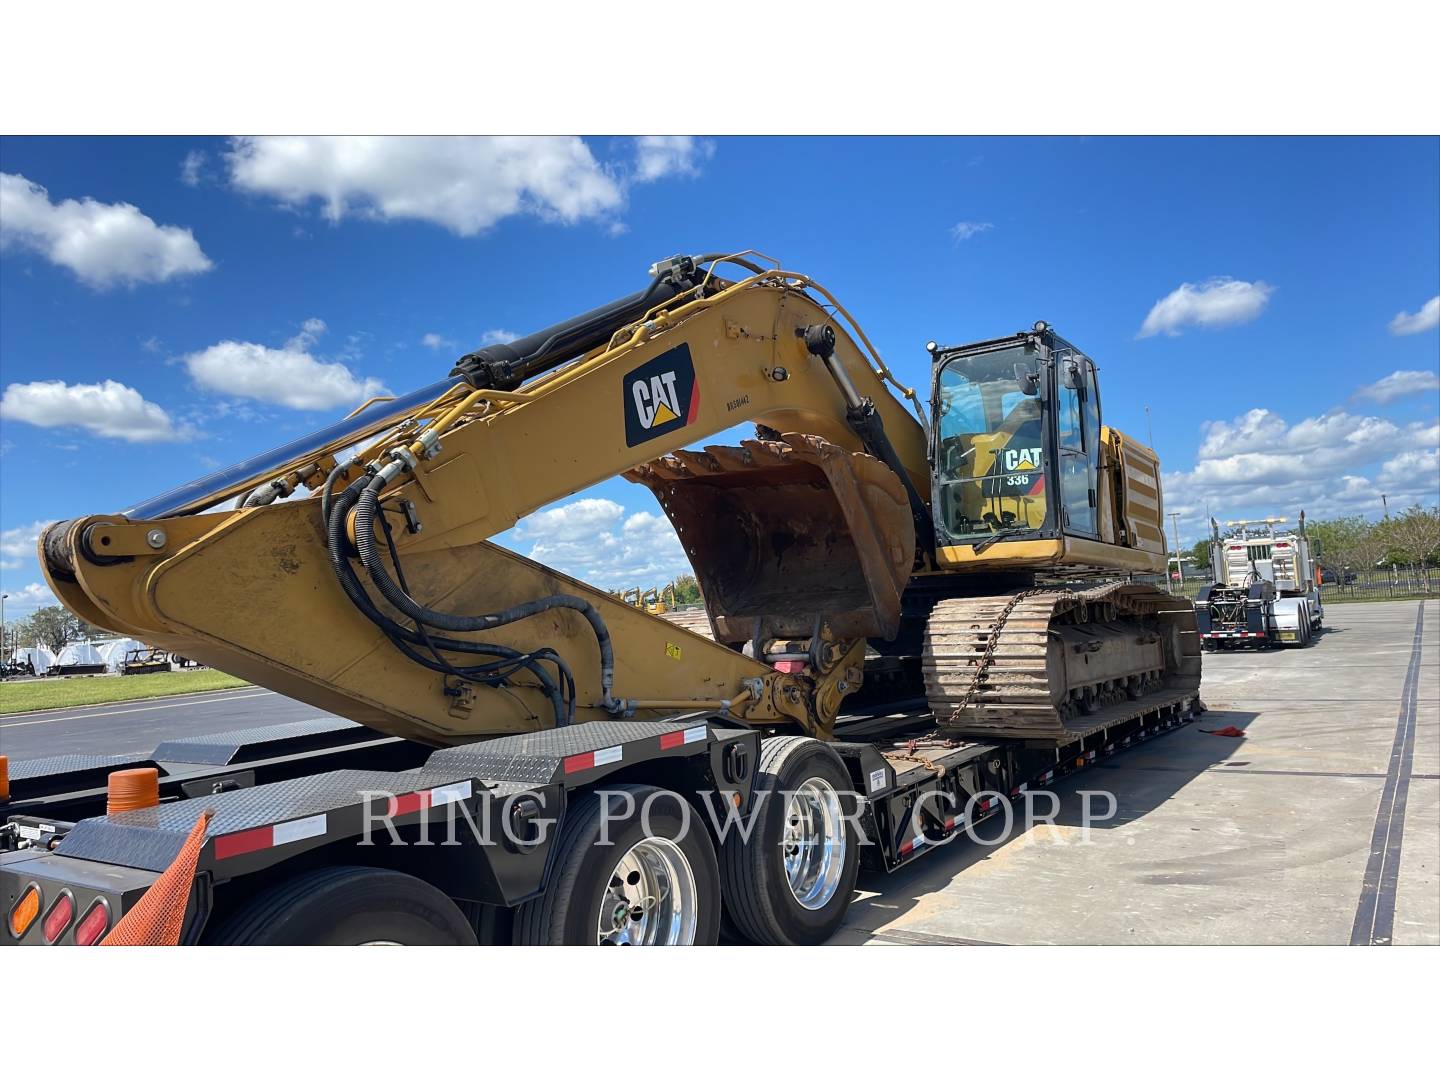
4	778
132	789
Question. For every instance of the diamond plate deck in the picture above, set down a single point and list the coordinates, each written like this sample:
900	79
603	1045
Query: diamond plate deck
39	768
250	744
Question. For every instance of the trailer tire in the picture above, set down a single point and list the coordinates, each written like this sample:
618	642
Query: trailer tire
348	905
759	896
585	875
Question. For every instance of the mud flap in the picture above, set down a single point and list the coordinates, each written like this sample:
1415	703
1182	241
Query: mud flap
789	531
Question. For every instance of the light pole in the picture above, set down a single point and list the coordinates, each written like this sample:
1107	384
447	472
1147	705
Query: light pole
4	656
1179	570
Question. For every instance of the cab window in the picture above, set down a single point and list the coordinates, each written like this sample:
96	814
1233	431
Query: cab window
991	445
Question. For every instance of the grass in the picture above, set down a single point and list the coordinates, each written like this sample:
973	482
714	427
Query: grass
31	696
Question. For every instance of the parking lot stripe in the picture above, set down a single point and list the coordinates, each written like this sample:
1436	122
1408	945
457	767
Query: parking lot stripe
1375	915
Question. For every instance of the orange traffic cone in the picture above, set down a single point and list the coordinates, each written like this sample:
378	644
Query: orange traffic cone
159	916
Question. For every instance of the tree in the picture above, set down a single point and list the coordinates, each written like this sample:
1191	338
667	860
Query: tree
1200	556
53	627
1411	538
1347	541
687	589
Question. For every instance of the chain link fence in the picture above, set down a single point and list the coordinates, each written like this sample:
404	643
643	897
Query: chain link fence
1377	584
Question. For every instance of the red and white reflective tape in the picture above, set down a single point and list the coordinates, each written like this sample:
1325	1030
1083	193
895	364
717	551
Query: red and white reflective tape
269	836
1017	790
672	739
290	832
594	759
915	843
423	800
1047	776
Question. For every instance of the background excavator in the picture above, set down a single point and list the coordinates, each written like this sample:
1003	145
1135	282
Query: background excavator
977	551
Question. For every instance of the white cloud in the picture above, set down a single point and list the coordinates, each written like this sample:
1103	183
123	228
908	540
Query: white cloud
1427	318
497	337
19	542
1399	384
27	598
192	169
1404	470
658	156
435	341
964	230
288	376
465	184
1221	301
104	244
596	541
1258	464
109	409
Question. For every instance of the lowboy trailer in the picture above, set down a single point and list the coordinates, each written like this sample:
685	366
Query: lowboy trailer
326	833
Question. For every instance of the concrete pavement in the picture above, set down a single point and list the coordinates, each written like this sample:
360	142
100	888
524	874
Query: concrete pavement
1320	826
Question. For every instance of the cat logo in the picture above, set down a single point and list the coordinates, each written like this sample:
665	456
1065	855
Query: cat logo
661	396
1022	460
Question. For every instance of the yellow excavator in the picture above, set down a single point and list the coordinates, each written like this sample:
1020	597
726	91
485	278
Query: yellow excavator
978	550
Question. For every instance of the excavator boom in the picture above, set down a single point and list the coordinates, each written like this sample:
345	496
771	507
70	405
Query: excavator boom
380	596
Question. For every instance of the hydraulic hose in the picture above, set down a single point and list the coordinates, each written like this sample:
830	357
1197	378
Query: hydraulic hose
402	636
367	507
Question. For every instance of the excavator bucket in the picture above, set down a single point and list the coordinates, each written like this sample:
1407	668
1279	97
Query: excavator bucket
792	532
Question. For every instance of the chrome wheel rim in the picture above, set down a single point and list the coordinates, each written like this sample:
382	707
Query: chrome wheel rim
650	899
814	843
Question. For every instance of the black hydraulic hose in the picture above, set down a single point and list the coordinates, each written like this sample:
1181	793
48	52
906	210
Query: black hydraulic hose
401	635
487	672
754	268
367	507
327	492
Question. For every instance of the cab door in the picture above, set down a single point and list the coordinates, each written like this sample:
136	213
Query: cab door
1077	443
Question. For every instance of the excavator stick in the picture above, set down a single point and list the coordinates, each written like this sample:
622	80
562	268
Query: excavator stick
788	531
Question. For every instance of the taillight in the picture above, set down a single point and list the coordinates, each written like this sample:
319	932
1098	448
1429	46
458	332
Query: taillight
92	927
58	921
25	910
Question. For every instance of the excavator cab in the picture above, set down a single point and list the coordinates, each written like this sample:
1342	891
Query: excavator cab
1016	441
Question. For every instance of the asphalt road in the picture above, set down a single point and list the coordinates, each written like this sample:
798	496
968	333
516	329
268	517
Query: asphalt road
121	727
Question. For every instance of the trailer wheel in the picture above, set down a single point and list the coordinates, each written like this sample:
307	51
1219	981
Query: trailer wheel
348	905
791	884
659	886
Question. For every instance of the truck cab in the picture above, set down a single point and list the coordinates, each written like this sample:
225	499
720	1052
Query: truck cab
1265	591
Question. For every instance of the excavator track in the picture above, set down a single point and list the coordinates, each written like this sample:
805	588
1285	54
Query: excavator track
1052	665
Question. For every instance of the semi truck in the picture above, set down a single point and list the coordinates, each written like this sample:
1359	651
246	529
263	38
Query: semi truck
1266	590
912	621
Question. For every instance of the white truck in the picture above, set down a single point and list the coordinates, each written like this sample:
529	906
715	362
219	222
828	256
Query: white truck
1265	590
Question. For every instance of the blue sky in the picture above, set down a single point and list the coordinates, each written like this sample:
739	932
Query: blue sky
1259	295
